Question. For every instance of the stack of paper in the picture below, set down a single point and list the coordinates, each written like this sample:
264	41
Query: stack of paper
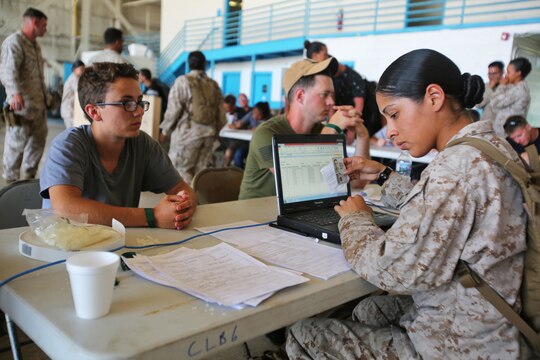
220	274
283	248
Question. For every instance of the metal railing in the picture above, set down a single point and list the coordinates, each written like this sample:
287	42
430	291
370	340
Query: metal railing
344	18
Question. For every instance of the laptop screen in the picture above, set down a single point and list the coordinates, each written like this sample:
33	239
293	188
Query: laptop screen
298	160
300	166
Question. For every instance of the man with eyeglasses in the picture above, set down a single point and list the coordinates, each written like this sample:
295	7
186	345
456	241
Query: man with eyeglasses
521	134
100	169
495	74
310	97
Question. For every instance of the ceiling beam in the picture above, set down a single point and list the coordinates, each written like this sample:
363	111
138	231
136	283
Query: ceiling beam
121	17
140	2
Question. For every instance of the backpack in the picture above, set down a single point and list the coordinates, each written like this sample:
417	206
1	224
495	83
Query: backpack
528	179
206	100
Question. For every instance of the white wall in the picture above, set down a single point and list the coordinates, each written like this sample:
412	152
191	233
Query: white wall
174	13
471	49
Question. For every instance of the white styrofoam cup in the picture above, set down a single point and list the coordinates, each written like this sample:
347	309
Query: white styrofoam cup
92	275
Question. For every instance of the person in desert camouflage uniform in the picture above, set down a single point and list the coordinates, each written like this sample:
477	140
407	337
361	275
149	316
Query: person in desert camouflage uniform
464	207
191	146
68	95
21	73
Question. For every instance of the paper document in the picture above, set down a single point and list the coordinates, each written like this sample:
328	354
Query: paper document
283	248
219	274
372	197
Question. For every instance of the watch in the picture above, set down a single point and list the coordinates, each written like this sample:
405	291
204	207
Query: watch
383	176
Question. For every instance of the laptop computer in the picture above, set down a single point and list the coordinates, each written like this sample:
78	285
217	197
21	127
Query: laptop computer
305	202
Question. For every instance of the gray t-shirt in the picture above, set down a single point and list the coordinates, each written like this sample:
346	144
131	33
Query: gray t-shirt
73	160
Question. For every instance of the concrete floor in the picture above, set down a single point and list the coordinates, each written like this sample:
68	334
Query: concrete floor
31	351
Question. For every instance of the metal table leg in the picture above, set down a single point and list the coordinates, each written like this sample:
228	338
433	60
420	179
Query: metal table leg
13	339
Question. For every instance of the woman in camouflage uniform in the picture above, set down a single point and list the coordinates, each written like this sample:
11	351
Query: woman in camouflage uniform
464	207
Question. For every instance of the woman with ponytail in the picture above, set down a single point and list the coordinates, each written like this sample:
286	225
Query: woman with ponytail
464	207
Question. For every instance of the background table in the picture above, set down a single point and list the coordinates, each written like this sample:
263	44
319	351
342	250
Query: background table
386	152
150	321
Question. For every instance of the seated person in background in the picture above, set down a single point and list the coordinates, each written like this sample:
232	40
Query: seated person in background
308	86
100	169
259	113
233	114
243	101
154	87
521	134
380	138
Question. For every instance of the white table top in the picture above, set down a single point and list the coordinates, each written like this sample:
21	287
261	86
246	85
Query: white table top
387	152
149	321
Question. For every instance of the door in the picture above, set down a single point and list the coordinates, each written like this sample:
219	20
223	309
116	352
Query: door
233	20
231	83
261	89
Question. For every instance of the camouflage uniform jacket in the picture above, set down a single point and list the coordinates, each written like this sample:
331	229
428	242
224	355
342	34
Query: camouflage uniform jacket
179	110
463	207
485	105
508	100
21	71
68	98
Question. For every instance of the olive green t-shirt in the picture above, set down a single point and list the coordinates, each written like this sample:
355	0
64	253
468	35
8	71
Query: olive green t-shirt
258	181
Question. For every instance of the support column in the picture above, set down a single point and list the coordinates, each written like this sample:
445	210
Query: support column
86	13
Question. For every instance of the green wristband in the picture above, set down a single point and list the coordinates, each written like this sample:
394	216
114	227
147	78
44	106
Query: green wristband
149	212
335	127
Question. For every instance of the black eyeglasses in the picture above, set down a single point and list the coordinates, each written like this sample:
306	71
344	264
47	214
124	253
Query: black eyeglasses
129	105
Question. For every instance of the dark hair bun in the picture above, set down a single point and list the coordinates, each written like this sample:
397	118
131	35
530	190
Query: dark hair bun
473	90
307	44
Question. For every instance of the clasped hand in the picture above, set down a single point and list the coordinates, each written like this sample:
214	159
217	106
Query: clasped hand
175	211
346	117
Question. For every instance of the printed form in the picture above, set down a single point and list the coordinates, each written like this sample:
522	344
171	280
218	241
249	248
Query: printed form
283	248
219	274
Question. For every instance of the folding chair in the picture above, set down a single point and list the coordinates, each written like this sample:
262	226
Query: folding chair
14	198
215	185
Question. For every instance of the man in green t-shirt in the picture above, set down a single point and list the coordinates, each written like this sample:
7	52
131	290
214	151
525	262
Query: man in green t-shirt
310	95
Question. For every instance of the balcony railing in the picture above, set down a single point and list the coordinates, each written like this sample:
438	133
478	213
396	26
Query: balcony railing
324	18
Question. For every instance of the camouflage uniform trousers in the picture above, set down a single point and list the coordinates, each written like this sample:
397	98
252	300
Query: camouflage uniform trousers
192	157
23	149
374	333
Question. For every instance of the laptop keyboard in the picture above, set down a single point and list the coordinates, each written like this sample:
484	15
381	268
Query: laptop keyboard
321	217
